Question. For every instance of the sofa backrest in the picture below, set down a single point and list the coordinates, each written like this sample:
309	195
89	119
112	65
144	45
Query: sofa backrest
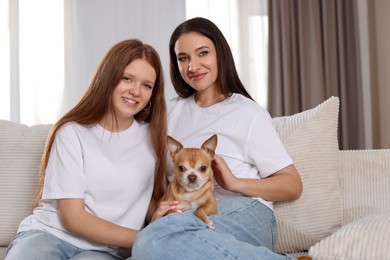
21	149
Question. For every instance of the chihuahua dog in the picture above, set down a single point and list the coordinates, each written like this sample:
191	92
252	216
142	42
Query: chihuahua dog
193	181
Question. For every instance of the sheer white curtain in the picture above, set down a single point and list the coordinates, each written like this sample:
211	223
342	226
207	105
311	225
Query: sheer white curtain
244	23
32	60
50	49
5	90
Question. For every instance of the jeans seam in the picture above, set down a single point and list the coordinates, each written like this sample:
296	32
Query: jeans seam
228	254
244	206
273	227
169	220
76	251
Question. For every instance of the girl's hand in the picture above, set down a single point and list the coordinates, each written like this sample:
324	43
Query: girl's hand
223	175
164	207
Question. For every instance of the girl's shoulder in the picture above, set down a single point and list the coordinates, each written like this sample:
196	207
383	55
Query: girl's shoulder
142	126
67	128
74	131
72	127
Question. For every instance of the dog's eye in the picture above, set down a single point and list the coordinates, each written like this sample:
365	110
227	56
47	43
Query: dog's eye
203	168
182	168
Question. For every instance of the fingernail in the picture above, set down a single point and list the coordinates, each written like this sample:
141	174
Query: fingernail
179	211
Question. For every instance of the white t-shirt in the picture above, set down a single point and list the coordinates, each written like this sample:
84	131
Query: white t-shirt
247	139
112	172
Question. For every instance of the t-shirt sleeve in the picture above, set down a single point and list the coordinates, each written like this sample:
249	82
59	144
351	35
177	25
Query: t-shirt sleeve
265	149
64	177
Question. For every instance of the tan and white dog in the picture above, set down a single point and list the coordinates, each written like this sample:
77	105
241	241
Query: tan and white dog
193	181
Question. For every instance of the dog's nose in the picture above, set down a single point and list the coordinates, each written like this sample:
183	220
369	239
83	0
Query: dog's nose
192	177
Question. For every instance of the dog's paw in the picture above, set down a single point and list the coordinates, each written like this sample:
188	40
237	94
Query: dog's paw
211	226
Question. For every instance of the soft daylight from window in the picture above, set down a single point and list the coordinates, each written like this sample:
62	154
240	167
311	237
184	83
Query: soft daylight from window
32	52
250	46
34	61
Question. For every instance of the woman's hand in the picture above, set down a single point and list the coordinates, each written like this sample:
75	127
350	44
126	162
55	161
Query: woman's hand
283	185
164	207
223	175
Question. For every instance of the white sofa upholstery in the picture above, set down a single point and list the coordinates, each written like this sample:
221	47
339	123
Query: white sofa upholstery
343	213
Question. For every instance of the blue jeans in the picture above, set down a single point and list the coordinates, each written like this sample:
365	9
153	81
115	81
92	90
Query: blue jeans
38	245
245	229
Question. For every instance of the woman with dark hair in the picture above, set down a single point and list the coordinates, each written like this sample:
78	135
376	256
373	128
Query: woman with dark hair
104	164
228	81
251	167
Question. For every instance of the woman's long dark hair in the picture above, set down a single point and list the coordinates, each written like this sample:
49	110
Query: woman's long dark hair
227	80
96	103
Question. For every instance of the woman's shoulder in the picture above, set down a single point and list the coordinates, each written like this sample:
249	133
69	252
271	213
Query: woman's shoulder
177	101
239	104
243	102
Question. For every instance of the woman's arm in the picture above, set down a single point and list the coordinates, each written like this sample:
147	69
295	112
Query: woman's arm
283	185
77	220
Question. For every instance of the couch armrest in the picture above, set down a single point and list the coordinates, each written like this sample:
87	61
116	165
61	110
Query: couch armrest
365	182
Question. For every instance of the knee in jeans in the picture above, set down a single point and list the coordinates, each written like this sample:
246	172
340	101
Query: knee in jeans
139	244
144	244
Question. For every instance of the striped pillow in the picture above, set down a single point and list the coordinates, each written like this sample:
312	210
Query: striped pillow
363	239
21	150
365	182
310	138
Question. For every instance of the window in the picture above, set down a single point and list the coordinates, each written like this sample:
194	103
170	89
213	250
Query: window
5	91
32	43
33	46
245	26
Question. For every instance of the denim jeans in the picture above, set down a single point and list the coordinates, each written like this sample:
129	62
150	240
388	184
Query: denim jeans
245	229
38	245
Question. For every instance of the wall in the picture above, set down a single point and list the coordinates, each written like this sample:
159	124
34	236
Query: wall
93	26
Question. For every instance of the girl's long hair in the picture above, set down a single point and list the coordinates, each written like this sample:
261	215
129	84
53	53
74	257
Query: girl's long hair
96	103
228	80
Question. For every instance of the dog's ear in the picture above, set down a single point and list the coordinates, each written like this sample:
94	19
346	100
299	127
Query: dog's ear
210	144
174	146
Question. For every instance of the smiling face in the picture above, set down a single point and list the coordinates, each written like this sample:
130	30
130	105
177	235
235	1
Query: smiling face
197	61
133	91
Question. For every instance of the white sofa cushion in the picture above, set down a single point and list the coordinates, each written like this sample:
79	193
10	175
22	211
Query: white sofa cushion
310	138
365	182
367	238
21	150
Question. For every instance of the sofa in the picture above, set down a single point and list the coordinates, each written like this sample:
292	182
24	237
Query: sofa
343	213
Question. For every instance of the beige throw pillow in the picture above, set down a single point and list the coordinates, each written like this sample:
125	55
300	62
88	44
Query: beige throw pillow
21	150
310	138
367	238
